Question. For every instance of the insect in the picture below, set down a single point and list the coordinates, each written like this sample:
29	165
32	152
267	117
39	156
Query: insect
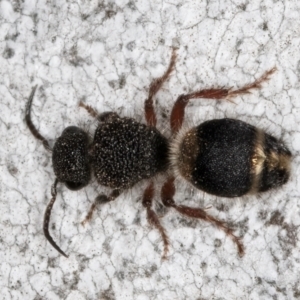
226	157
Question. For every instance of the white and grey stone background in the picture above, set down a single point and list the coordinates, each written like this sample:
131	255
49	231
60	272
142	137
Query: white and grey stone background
106	53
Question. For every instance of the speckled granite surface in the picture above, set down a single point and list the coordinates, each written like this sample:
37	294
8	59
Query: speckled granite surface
107	53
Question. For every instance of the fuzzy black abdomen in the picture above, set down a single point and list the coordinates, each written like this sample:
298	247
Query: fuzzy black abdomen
223	164
125	152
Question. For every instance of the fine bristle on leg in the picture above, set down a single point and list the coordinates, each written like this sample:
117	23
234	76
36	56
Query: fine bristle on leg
47	220
89	109
167	193
255	85
153	218
199	213
178	110
101	199
155	86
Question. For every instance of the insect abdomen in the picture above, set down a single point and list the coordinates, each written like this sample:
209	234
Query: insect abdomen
223	164
231	158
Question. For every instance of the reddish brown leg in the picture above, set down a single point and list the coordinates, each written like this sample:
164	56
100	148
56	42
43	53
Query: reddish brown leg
89	109
167	193
101	199
103	117
255	85
47	219
29	123
154	88
151	120
152	217
177	114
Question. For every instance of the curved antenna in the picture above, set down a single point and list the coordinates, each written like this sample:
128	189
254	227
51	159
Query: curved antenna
29	123
47	219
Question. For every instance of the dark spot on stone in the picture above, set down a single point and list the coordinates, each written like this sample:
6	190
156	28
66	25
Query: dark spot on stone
131	45
137	220
17	4
108	294
238	43
110	13
131	5
84	16
164	115
192	223
258	280
74	281
298	66
242	225
83	262
276	219
77	61
113	84
291	234
262	214
265	26
296	290
51	262
34	17
12	169
120	275
153	268
217	243
8	53
118	84
24	248
73	57
122	81
243	6
106	246
222	207
12	37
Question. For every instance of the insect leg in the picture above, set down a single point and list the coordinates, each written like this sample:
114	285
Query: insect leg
167	193
177	114
155	86
101	199
153	218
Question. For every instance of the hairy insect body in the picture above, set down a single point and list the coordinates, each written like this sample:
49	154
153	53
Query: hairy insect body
125	152
230	158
